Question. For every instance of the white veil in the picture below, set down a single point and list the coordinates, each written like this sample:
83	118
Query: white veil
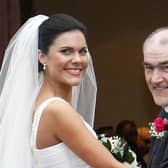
19	85
84	95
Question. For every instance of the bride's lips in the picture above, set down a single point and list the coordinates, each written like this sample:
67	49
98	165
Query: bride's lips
74	71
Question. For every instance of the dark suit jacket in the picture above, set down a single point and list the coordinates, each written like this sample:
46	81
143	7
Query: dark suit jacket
159	149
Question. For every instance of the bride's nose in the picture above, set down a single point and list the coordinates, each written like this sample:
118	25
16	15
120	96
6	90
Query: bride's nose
76	58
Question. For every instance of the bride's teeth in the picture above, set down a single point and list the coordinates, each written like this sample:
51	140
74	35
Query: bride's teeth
76	70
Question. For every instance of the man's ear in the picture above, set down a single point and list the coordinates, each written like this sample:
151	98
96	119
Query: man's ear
41	57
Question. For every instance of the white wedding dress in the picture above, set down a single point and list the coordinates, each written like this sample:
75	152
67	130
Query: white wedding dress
56	156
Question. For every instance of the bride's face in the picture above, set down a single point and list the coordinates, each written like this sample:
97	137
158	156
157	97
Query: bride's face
67	58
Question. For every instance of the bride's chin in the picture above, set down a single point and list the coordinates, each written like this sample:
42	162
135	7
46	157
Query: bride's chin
76	84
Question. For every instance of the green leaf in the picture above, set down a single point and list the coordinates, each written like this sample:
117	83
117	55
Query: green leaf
107	145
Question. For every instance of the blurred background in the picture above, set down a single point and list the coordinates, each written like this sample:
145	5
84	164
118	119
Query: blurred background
117	30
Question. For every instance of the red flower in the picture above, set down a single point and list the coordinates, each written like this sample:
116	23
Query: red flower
160	124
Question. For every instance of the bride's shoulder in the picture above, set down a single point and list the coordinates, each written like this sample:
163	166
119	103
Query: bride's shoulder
44	103
56	105
57	108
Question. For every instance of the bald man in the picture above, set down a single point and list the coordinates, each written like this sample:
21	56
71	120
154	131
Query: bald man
155	51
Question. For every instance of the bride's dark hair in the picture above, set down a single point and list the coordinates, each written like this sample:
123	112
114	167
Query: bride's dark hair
55	25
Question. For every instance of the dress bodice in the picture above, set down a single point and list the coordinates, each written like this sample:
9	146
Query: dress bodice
56	156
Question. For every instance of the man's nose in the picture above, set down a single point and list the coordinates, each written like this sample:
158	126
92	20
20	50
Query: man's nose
156	76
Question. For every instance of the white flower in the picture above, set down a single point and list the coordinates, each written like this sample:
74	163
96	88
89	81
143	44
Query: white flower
120	149
116	145
155	133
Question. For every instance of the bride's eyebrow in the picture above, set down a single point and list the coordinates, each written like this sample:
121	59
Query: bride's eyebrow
66	47
69	47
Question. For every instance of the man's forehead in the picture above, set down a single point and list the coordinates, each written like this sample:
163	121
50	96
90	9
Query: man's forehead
156	49
156	58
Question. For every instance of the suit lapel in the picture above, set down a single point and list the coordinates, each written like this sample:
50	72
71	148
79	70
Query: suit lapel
157	144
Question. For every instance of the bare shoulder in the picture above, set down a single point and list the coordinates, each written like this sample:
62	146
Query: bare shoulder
59	108
65	120
63	117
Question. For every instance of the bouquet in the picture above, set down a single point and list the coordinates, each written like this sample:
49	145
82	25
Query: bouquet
120	150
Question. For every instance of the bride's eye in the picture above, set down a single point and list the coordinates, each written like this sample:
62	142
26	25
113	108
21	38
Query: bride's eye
83	51
66	51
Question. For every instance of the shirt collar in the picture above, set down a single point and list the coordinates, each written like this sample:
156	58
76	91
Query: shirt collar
166	109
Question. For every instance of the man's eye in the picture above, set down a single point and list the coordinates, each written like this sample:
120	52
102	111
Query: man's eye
165	68
148	68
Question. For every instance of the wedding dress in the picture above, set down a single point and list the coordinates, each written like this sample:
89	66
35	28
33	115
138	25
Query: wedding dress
56	156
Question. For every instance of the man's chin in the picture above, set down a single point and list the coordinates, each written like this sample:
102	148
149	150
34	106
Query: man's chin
161	101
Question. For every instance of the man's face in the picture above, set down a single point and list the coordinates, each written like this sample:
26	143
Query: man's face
156	75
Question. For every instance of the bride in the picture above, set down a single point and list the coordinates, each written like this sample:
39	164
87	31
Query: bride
46	77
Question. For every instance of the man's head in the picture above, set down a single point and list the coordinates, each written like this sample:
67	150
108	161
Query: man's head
155	50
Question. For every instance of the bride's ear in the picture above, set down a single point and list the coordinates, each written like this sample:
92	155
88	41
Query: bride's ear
41	57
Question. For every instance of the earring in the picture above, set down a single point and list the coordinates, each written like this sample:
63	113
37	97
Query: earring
44	66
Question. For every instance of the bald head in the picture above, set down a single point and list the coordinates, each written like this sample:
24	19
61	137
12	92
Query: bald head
156	41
